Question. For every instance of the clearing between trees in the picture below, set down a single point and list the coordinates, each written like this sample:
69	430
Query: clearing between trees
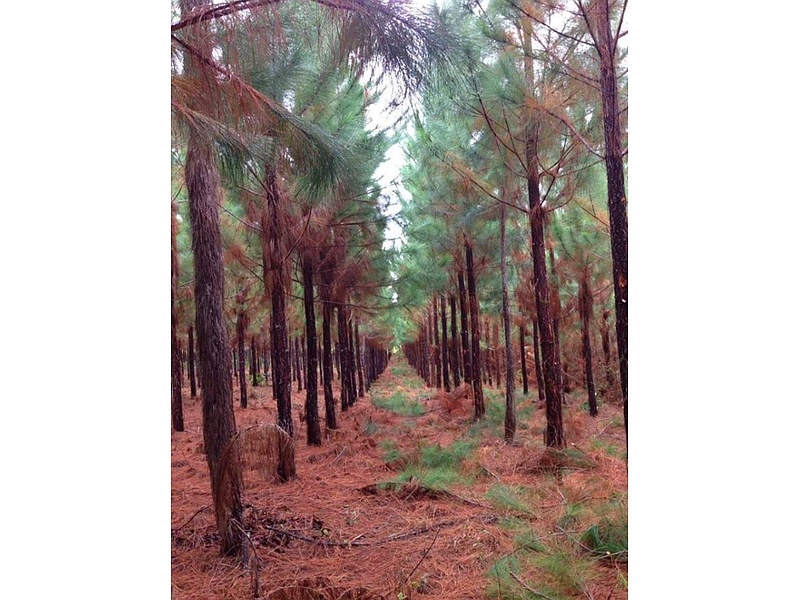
411	498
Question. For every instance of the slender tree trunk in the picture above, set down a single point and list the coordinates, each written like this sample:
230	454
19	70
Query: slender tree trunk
466	353
313	434
437	353
556	314
486	357
537	362
351	355
554	429
327	358
510	424
253	361
343	360
477	386
177	399
615	175
240	334
523	359
177	375
454	366
298	364
606	346
444	349
359	365
274	267
192	381
219	426
585	305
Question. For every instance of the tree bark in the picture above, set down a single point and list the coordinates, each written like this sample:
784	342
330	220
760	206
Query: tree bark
585	304
177	399
313	434
477	385
523	361
344	362
219	426
253	361
327	358
556	315
510	423
240	334
454	366
437	352
359	365
275	270
615	175
192	381
466	353
444	351
554	429
177	375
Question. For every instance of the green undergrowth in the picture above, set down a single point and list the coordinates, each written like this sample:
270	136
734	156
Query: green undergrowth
608	535
399	403
509	498
432	465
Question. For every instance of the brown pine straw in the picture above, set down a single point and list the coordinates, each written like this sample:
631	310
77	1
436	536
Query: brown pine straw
325	535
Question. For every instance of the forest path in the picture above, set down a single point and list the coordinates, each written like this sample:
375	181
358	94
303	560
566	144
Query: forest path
459	501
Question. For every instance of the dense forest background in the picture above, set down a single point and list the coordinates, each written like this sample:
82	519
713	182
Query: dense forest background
87	326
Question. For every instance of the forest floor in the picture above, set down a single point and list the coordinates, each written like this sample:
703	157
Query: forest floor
407	500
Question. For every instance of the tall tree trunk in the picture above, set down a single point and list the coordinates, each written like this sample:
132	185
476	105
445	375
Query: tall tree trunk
240	334
554	429
477	385
219	426
466	353
537	362
585	305
486	358
253	361
192	381
327	358
556	313
177	375
615	175
437	352
313	434
444	352
298	363
510	423
523	361
359	365
273	251
344	362
454	366
606	346
351	355
177	400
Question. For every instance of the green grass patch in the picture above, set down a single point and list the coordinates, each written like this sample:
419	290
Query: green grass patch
436	467
606	447
434	457
391	453
436	479
501	584
572	512
528	540
398	403
609	536
564	572
508	497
